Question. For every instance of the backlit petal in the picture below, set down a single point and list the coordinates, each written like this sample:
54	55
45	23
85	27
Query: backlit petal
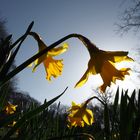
83	80
122	58
53	67
109	74
38	61
116	56
88	117
58	50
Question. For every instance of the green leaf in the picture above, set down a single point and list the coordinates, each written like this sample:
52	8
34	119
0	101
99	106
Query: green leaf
115	106
3	95
130	115
123	116
24	36
4	51
8	65
106	121
139	101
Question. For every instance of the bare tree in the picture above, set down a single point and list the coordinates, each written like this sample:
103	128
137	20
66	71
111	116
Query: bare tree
3	31
130	18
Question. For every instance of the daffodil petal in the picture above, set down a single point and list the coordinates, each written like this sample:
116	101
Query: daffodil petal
88	117
122	58
117	56
74	107
58	50
73	103
83	80
110	74
53	67
91	66
30	65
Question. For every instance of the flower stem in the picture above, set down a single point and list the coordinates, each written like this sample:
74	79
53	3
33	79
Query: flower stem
94	97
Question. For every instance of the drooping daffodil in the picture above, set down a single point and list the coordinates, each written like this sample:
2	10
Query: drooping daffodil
10	108
53	67
80	115
103	63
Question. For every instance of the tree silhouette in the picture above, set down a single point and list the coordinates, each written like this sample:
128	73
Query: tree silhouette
130	19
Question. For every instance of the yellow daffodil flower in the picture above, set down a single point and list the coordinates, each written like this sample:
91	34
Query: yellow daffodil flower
102	62
109	74
10	108
79	115
53	67
12	124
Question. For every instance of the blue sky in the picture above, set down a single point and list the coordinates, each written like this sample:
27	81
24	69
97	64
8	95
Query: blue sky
55	19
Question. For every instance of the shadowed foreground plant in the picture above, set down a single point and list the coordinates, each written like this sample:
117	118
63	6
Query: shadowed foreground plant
120	121
123	120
